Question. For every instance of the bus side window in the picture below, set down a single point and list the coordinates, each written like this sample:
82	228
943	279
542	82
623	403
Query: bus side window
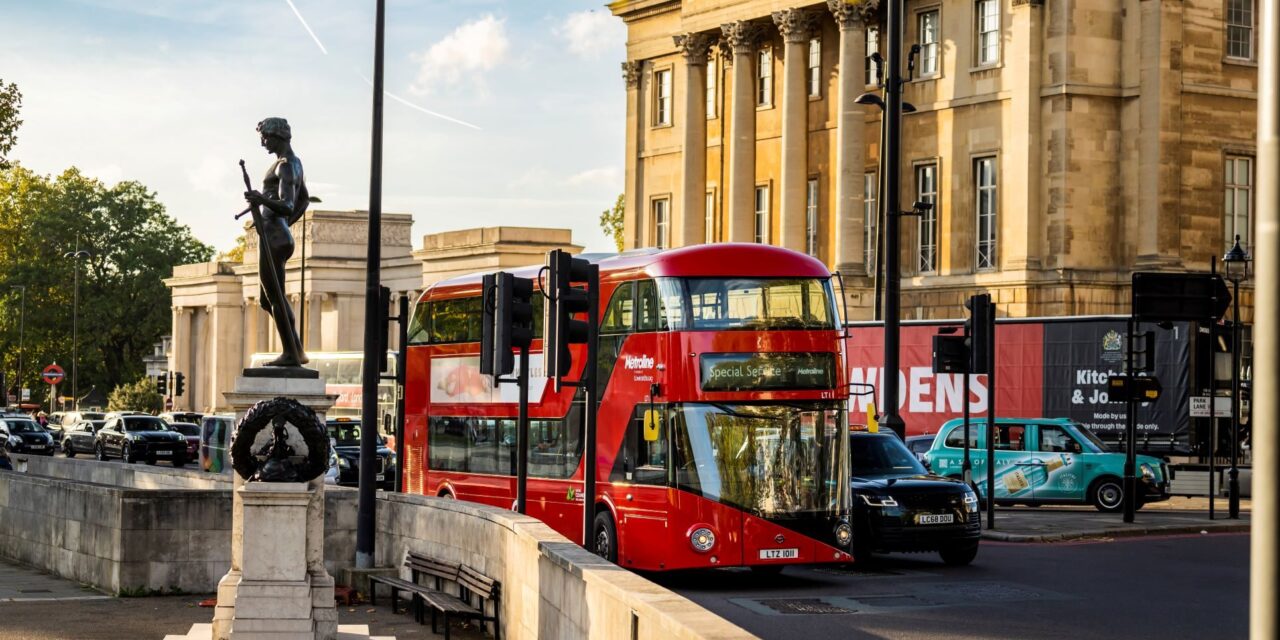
618	317
651	316
641	459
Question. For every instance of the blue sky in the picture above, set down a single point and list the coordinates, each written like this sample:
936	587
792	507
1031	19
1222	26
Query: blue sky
168	92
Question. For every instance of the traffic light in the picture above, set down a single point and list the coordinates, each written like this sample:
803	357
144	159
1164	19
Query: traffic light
179	383
565	301
508	321
949	355
384	331
162	383
979	331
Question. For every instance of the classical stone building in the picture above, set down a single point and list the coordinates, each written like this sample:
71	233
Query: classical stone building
218	324
1064	144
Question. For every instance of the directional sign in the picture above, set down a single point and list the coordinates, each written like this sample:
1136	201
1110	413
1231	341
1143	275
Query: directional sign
1199	406
53	374
1159	296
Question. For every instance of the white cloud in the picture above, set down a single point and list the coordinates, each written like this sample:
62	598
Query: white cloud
591	33
475	47
211	175
602	176
109	174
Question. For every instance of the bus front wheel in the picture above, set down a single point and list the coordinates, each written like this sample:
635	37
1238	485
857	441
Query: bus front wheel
605	534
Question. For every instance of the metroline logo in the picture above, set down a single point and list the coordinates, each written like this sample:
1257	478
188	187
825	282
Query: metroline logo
638	362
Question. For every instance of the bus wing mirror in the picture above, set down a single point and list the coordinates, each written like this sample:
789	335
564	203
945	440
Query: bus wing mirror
652	425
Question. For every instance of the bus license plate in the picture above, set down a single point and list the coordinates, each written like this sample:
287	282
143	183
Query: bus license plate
935	518
779	554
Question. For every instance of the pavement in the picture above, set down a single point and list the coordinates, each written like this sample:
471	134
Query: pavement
38	606
1054	524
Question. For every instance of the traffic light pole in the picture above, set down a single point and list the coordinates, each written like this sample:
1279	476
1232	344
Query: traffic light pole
592	409
967	468
892	219
522	434
403	342
991	412
1131	425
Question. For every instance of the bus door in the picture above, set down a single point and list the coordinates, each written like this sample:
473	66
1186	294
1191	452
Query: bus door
641	492
705	489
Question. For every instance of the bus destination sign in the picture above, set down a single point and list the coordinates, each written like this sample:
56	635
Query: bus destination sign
767	371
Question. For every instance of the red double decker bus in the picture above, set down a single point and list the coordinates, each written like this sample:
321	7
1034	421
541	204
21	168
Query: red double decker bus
722	430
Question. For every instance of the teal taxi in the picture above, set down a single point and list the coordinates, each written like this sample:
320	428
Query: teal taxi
1045	461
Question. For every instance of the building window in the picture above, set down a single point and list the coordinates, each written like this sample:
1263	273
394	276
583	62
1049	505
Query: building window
873	47
1240	29
928	36
984	170
711	88
871	216
662	223
764	76
709	227
988	27
927	191
762	214
815	68
811	218
662	97
1238	200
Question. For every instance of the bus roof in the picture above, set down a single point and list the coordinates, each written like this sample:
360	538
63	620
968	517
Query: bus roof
705	260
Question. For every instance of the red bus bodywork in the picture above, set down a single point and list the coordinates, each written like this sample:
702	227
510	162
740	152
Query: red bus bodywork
654	522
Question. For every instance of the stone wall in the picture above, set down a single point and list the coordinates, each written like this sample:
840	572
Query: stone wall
551	588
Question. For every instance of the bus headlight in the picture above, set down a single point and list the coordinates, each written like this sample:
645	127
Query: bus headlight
702	539
844	534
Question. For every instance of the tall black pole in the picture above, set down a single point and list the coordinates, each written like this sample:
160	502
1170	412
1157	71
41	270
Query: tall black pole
522	434
893	271
1233	476
1130	424
967	468
593	401
75	339
22	323
1213	402
366	515
401	355
990	329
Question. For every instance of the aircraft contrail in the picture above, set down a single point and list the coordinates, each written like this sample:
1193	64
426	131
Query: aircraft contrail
393	96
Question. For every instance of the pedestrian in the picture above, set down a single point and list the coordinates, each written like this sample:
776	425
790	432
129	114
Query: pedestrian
42	418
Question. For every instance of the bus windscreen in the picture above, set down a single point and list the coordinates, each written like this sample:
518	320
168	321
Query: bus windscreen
717	304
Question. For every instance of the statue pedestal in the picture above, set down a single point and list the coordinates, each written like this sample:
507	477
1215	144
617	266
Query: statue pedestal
277	587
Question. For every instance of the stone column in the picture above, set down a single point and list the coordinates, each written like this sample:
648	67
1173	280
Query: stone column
851	150
795	25
632	216
182	350
741	37
315	306
693	113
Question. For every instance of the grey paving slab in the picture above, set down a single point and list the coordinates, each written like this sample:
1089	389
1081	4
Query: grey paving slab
24	584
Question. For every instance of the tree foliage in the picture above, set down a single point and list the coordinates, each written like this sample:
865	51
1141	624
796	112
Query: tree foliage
124	306
236	253
140	395
611	220
10	103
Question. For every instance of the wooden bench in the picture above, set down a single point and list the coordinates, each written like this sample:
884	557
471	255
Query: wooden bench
419	565
472	586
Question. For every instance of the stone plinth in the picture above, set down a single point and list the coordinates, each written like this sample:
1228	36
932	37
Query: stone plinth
277	560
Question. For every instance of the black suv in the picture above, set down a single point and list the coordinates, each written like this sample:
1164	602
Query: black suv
345	435
139	437
899	506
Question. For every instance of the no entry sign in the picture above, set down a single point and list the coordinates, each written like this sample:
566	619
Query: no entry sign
53	374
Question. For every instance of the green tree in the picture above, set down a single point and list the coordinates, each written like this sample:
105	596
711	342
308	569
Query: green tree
124	306
236	253
611	220
140	395
10	104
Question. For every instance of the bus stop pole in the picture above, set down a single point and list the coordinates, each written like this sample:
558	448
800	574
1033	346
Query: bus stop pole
991	414
522	434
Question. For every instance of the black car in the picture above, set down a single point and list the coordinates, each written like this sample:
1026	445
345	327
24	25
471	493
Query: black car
899	506
24	435
345	435
139	437
79	437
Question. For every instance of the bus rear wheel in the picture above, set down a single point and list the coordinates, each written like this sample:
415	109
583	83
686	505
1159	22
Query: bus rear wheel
605	537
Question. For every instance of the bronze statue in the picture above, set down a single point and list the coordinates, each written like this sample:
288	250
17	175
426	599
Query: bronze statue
281	203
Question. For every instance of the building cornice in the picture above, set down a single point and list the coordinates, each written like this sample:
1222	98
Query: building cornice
631	10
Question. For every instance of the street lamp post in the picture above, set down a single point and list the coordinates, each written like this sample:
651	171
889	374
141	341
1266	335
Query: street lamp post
22	323
1236	265
77	255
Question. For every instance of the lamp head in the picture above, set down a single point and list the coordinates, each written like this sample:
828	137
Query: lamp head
1236	261
870	98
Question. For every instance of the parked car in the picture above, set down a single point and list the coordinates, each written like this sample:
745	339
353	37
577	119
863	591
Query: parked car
344	434
25	435
1046	461
182	416
898	506
73	417
79	437
919	445
139	437
191	432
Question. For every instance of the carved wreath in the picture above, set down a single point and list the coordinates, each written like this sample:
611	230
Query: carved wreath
280	440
